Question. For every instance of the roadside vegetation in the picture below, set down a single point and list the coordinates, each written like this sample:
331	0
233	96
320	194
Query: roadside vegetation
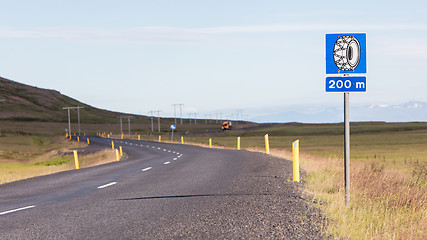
24	156
388	174
388	165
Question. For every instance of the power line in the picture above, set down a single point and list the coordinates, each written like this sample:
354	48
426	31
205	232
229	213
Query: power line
78	117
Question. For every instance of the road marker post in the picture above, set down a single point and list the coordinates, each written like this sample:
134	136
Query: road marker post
267	144
160	138
112	145
238	143
121	151
117	155
108	136
76	159
139	137
295	160
210	142
66	135
87	140
182	140
78	139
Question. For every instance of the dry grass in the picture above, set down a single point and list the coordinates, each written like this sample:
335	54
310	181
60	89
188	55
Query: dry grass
388	181
24	157
385	203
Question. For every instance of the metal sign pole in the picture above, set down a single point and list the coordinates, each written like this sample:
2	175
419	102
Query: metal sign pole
346	148
69	122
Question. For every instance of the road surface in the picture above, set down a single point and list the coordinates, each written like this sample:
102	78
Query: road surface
162	191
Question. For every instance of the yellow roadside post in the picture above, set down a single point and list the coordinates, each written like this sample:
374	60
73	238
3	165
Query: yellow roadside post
87	140
66	135
238	143
182	139
160	138
108	136
121	136
78	139
112	145
74	134
267	144
210	142
84	134
117	155
76	159
295	162
139	137
121	151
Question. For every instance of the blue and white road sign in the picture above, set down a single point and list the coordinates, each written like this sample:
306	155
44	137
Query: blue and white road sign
346	84
173	127
345	53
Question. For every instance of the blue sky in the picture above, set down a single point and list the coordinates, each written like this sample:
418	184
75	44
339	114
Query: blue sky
212	56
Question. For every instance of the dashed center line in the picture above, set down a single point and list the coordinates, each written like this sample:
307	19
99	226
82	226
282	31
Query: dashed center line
16	210
146	169
175	159
107	185
166	163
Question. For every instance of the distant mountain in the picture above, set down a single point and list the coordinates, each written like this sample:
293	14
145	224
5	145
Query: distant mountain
406	112
26	103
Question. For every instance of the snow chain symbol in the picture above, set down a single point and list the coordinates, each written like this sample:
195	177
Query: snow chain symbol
347	53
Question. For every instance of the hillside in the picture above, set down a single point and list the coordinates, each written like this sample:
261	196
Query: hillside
27	103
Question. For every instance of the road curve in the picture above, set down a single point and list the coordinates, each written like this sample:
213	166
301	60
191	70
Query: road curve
162	191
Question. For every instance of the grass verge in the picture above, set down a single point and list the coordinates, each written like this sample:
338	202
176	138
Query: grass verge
388	175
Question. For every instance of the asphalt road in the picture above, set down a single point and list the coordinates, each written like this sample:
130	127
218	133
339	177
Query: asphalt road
163	191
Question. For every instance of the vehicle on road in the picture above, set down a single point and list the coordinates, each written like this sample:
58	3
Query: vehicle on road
226	125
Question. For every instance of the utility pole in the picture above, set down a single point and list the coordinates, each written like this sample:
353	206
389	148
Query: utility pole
121	124
180	110
158	120
152	125
69	121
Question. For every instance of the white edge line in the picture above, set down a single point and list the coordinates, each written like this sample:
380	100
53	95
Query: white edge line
16	210
146	169
166	163
107	185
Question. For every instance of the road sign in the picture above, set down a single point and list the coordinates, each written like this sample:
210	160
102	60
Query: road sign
173	127
345	84
345	53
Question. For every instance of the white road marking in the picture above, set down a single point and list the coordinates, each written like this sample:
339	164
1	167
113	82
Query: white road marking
173	152
175	159
142	145
154	147
130	144
158	148
180	156
164	150
169	151
166	163
146	169
16	210
177	153
107	185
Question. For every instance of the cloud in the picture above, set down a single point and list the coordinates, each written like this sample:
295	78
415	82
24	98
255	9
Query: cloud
176	35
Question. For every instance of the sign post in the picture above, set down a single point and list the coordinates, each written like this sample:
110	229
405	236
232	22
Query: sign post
173	127
346	55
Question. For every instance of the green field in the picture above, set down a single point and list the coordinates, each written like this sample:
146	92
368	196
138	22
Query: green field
388	173
388	165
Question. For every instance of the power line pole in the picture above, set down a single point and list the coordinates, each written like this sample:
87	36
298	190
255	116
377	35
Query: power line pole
78	116
180	111
158	120
121	123
152	125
